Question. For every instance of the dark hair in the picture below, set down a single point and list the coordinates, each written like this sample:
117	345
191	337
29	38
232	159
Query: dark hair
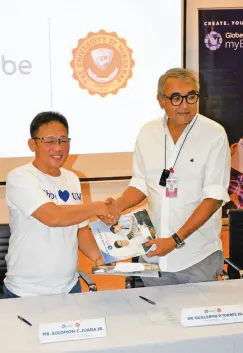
112	228
44	118
117	245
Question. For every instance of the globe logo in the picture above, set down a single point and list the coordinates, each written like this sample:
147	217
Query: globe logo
213	40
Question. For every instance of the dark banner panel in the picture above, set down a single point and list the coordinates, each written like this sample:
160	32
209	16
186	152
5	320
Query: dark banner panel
221	68
221	79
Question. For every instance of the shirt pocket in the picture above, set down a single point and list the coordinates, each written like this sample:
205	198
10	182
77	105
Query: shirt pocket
190	174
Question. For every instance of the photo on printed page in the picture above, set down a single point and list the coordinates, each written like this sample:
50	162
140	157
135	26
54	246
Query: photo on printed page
125	239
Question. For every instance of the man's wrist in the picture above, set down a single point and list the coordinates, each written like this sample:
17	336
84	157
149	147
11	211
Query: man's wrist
173	243
119	205
179	243
97	207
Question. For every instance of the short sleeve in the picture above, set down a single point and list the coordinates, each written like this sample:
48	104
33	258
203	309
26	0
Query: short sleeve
138	179
85	223
217	171
24	192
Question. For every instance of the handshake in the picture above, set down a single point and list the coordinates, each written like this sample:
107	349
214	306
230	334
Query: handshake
108	211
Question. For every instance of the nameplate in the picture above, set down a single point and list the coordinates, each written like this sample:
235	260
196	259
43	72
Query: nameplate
212	315
72	330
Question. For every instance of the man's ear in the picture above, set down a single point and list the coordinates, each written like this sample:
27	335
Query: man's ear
160	100
32	145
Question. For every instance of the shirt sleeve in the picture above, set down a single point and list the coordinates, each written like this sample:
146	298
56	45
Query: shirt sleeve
24	192
138	178
217	172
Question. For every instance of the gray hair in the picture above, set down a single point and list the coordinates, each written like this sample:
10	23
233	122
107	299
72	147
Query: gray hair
179	73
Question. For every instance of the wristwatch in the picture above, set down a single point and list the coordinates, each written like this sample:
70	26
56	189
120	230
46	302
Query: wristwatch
179	243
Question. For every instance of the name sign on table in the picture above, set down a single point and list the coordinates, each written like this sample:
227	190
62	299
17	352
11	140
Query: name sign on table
72	330
212	315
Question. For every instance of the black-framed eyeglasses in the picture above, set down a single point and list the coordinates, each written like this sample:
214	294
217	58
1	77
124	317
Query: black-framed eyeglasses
51	140
177	99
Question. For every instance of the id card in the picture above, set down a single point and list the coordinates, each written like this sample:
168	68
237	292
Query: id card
171	187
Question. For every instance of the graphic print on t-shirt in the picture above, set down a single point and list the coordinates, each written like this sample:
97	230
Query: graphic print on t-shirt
64	195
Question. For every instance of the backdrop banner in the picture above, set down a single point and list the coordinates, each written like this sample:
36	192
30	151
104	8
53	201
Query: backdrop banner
221	79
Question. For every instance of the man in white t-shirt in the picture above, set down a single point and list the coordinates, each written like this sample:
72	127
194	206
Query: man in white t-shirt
48	221
182	166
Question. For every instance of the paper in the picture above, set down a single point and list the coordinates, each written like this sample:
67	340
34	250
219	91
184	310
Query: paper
128	269
72	330
212	315
127	238
165	316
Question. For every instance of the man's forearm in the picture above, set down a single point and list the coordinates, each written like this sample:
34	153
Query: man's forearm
69	214
200	216
87	244
131	197
54	215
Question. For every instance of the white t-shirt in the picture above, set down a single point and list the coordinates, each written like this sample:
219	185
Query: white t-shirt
202	170
41	260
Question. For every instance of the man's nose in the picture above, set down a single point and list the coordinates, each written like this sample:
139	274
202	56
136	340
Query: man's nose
58	145
184	103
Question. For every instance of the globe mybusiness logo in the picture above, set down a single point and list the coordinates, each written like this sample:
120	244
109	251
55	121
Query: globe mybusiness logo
213	40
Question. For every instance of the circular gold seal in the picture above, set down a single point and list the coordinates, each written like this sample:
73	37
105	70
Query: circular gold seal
102	63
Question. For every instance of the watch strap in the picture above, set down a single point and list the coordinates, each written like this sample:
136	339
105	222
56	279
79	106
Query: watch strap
179	242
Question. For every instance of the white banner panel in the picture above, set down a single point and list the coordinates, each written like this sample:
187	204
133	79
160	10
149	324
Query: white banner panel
24	79
96	62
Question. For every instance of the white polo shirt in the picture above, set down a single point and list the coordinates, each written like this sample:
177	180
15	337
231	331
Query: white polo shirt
202	170
41	260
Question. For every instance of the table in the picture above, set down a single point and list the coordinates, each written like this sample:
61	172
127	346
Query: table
133	325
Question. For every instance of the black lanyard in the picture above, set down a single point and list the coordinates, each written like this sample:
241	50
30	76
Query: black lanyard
172	169
166	172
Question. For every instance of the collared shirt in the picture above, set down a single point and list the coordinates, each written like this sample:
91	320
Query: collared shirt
202	170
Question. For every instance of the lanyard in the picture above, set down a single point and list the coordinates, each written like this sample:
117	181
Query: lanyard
172	169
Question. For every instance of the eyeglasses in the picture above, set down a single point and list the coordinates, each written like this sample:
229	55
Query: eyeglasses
53	140
177	99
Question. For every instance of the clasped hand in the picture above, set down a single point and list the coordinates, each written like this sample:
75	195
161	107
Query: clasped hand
115	214
108	213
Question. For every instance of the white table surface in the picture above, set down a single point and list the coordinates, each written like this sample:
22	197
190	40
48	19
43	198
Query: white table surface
133	325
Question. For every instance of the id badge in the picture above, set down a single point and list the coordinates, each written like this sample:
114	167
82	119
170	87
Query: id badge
171	187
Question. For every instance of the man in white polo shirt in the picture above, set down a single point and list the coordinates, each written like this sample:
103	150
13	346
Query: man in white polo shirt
182	166
47	218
